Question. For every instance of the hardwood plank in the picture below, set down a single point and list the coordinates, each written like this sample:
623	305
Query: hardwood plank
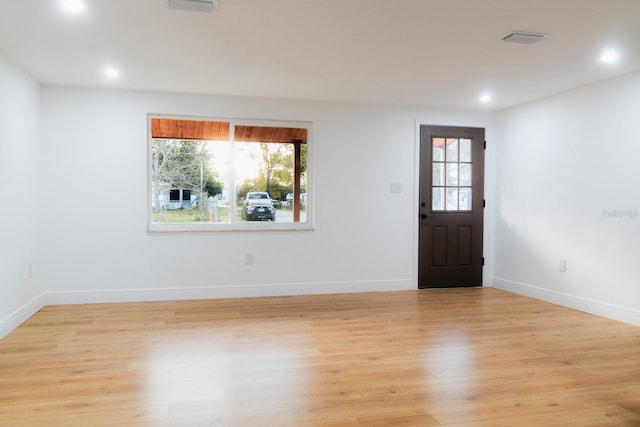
469	357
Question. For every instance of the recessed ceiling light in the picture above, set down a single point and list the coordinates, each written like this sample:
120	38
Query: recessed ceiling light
485	98
111	73
73	7
610	56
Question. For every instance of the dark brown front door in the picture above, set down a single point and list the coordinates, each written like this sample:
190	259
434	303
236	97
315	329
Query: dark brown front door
451	206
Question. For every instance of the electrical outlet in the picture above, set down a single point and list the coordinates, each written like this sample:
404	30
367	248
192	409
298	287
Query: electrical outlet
396	187
248	260
563	265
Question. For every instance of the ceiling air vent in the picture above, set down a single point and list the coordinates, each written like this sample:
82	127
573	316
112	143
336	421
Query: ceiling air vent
193	5
524	37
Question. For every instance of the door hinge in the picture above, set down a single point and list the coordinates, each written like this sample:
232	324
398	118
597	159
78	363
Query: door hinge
482	260
485	145
484	203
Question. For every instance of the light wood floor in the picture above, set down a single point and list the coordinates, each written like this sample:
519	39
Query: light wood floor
474	357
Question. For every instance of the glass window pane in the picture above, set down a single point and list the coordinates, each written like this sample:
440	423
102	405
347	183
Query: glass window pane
452	174
438	174
437	195
452	199
452	150
189	181
264	180
465	199
466	177
465	150
438	149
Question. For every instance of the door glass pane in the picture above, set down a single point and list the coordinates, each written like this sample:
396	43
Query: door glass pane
438	174
452	199
465	199
437	202
465	175
452	150
438	149
465	150
452	174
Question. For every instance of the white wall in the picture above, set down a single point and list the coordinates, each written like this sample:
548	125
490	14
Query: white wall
553	168
568	188
95	245
19	205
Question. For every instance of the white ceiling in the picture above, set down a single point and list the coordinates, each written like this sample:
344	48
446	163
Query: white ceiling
430	53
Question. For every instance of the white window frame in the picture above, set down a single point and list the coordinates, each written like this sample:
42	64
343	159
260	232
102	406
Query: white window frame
234	226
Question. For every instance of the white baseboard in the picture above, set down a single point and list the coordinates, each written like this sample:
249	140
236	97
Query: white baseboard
229	291
609	311
16	318
19	316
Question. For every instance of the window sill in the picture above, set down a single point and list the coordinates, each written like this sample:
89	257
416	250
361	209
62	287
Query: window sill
252	226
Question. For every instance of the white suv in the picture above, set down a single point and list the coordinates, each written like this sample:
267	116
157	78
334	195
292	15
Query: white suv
258	206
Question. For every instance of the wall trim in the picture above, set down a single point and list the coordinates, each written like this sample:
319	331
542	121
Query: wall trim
226	291
22	314
19	316
609	311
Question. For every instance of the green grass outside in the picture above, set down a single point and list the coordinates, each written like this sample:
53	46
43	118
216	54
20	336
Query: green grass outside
194	215
189	215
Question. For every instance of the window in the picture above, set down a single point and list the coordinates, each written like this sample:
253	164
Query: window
452	174
211	174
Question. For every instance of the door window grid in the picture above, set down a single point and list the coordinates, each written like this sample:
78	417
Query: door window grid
452	178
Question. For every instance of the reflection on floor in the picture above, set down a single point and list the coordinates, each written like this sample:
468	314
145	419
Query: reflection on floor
472	357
